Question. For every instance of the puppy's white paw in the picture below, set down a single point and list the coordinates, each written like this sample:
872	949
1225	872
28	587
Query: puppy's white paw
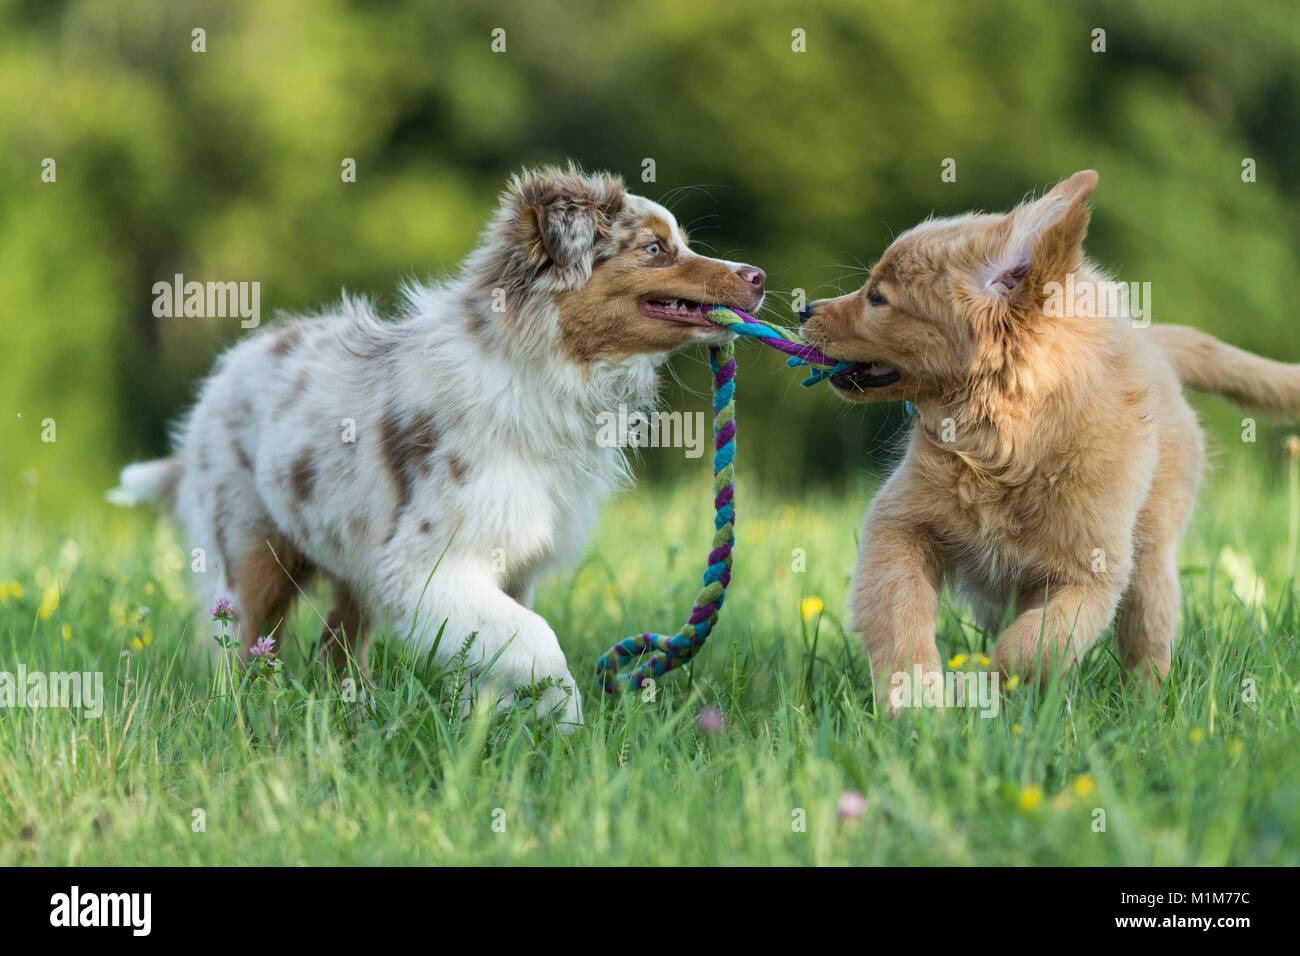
561	702
566	709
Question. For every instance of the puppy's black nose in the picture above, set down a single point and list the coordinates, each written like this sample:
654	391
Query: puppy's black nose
806	312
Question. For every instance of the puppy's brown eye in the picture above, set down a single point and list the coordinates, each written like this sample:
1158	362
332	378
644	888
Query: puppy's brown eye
874	296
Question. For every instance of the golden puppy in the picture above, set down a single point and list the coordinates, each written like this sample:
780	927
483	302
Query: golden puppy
1054	462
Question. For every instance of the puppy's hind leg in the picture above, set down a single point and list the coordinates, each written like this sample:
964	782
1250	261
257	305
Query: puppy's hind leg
267	578
342	637
1149	610
1148	615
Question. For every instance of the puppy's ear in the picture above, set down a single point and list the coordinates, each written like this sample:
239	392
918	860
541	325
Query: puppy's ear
560	217
1044	238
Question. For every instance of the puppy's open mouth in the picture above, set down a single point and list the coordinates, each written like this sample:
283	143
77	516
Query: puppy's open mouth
676	310
866	375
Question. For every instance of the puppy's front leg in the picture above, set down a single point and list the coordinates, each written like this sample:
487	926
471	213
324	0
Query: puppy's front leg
895	601
512	647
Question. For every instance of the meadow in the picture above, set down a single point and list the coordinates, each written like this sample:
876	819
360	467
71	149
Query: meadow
754	756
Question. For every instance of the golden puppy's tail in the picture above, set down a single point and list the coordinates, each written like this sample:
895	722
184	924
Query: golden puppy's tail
1204	363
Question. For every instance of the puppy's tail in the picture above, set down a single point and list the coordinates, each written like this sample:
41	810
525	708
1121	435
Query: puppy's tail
1204	363
148	481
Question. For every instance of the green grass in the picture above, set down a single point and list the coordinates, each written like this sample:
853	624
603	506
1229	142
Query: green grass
286	772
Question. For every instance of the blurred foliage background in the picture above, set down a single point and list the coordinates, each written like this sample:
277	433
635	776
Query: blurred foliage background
225	165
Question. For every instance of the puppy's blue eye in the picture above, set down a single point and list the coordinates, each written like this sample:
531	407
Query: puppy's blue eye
874	296
653	248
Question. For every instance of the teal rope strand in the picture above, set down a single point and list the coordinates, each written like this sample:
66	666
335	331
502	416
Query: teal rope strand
666	652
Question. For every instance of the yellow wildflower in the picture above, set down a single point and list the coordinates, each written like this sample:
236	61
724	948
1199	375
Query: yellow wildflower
810	607
1083	784
956	661
66	631
1196	735
49	603
1030	797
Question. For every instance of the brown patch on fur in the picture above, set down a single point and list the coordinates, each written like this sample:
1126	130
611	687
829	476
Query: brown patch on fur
426	528
286	341
302	477
457	468
234	427
407	446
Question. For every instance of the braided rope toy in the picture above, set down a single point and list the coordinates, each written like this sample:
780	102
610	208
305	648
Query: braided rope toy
666	652
799	352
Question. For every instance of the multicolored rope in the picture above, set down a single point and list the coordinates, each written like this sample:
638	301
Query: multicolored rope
800	353
667	652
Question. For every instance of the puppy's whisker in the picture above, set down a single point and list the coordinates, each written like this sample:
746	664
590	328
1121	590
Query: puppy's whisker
674	193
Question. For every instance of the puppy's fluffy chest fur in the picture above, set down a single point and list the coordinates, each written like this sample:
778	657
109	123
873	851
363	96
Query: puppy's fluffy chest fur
1008	510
